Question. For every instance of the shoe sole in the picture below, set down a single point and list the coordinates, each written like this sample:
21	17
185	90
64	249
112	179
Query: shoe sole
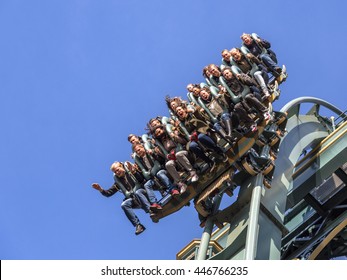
137	233
155	209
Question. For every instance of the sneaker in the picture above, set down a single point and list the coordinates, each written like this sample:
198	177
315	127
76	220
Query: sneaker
139	229
155	206
182	186
194	176
266	94
152	214
278	70
175	192
253	127
284	69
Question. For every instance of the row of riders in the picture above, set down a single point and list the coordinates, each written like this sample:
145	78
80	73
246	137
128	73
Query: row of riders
176	149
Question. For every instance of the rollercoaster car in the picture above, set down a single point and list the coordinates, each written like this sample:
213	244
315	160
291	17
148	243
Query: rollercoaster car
250	153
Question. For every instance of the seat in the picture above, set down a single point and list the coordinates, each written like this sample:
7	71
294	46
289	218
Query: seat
270	52
188	96
255	67
246	89
202	85
212	82
192	98
228	64
146	142
255	37
208	81
165	120
169	130
127	169
234	98
203	105
148	174
214	91
254	164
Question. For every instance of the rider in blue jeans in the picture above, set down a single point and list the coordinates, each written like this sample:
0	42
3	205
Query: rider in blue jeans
268	58
134	198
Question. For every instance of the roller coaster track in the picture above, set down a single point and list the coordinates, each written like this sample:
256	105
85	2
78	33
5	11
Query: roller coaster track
268	224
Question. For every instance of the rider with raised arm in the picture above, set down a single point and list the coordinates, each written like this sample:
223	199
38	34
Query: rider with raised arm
134	198
255	47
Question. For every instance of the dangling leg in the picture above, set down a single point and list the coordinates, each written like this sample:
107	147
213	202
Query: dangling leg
241	112
275	70
162	176
171	169
197	150
184	161
127	206
210	144
226	118
220	130
254	102
141	195
258	76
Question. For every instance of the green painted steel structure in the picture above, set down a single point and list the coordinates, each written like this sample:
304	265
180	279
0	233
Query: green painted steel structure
308	198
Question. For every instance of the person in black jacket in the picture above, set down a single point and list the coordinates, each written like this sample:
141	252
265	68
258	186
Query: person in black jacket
245	64
175	153
236	83
135	197
255	47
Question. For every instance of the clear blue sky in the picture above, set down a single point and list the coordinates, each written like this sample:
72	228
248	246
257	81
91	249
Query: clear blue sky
77	76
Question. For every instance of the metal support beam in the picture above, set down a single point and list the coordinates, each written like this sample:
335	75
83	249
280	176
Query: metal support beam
206	236
252	232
